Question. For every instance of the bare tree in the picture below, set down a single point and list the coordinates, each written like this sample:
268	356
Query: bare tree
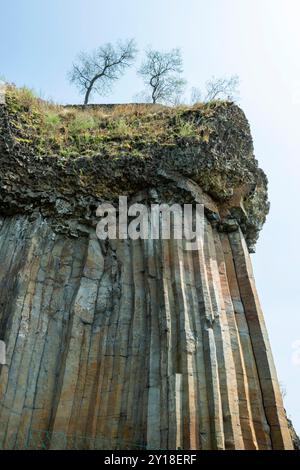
222	88
161	73
96	72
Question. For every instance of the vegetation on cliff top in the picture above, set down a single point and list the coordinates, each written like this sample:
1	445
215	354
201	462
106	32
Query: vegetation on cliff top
49	129
104	151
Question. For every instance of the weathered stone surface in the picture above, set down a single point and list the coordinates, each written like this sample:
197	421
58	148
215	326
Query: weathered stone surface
67	191
137	344
295	437
130	344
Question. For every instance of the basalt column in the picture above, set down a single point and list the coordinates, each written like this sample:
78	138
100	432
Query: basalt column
128	344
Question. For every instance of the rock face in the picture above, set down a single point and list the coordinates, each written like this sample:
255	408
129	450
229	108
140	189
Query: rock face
133	343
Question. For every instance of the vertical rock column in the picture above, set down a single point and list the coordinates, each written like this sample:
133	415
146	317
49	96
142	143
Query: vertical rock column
133	344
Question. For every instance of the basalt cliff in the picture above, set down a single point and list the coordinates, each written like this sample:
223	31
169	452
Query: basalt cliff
131	344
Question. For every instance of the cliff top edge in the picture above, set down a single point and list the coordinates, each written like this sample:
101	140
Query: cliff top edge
83	155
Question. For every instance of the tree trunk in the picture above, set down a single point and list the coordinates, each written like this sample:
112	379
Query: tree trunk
87	95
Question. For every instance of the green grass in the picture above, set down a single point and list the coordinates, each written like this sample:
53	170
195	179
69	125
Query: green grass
51	129
187	129
81	123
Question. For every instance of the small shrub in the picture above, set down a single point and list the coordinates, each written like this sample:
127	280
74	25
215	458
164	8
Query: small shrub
120	127
26	97
187	129
52	120
82	122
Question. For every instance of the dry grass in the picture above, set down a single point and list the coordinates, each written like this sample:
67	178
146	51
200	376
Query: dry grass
52	129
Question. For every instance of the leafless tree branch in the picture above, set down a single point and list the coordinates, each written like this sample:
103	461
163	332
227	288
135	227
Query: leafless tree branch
161	74
222	88
97	71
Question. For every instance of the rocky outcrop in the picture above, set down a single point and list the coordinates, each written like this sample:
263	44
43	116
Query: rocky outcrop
134	343
295	437
219	159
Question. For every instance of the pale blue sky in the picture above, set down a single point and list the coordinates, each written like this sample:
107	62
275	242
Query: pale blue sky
257	39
